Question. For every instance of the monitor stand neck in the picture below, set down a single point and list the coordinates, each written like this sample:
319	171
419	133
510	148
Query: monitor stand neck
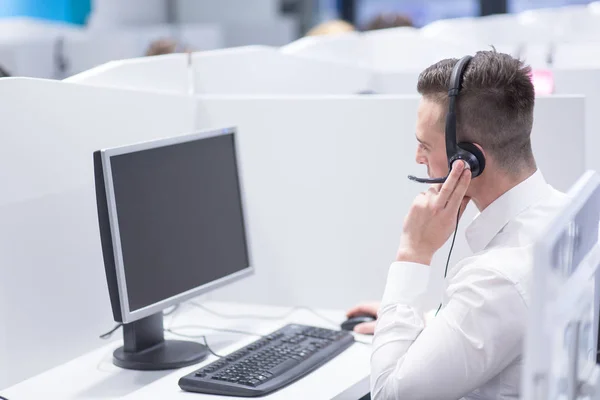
145	347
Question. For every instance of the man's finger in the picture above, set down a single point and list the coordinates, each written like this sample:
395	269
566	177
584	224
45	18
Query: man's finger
450	184
459	192
366	328
359	309
437	187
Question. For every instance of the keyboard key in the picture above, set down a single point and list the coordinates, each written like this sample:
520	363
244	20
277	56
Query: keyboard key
288	364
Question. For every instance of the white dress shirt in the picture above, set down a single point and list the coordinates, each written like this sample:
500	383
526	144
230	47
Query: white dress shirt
472	348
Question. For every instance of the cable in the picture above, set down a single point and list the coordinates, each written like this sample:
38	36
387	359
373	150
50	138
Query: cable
3	398
203	337
244	316
172	310
109	333
450	253
265	317
217	329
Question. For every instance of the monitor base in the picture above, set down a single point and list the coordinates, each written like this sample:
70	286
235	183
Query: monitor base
145	348
170	354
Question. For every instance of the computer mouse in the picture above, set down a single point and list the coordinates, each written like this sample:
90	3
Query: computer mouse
350	323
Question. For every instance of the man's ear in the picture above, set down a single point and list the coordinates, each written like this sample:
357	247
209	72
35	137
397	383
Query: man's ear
480	149
479	153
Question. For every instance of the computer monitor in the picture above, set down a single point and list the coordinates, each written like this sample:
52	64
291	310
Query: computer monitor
171	220
562	330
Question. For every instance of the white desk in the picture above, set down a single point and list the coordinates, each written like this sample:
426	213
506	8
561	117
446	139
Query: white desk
93	376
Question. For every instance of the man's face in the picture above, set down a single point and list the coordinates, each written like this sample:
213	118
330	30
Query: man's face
431	147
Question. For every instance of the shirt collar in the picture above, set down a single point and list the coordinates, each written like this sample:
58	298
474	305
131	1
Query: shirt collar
491	220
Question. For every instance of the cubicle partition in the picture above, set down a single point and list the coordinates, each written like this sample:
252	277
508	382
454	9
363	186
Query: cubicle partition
56	51
391	82
583	82
94	48
252	70
336	216
164	74
53	294
347	48
326	193
389	50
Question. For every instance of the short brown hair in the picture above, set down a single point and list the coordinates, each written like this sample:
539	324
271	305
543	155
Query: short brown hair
161	47
494	107
387	21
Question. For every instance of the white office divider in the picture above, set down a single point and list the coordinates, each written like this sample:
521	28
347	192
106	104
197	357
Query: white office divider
398	49
264	70
577	55
394	82
85	51
326	191
418	53
353	48
562	340
52	283
537	55
20	28
30	57
386	48
551	24
28	46
497	30
585	82
169	73
245	70
588	26
328	230
348	48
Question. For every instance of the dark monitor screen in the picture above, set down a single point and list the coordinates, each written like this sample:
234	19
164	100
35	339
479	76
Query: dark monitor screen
180	217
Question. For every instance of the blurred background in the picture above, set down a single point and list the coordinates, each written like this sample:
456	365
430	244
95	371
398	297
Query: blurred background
56	39
304	12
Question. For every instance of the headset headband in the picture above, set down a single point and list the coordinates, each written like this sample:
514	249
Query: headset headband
453	91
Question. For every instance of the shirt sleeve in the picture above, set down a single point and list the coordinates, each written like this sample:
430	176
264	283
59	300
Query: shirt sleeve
473	338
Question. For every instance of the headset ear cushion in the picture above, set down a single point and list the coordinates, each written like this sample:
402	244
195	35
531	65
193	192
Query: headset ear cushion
478	154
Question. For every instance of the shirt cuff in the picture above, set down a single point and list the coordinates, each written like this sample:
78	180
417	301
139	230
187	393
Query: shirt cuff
406	283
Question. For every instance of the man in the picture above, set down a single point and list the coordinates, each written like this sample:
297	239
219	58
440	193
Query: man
472	348
388	21
162	47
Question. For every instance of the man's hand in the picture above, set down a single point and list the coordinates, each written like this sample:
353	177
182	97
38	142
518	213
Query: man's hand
367	328
432	217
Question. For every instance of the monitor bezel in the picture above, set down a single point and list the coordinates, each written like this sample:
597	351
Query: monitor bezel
128	315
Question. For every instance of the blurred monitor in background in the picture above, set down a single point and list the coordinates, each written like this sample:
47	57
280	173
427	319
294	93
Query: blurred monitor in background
4	73
165	46
332	27
388	20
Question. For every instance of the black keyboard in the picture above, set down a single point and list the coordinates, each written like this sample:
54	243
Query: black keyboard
270	363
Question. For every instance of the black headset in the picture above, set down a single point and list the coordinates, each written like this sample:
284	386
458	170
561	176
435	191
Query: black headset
457	151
